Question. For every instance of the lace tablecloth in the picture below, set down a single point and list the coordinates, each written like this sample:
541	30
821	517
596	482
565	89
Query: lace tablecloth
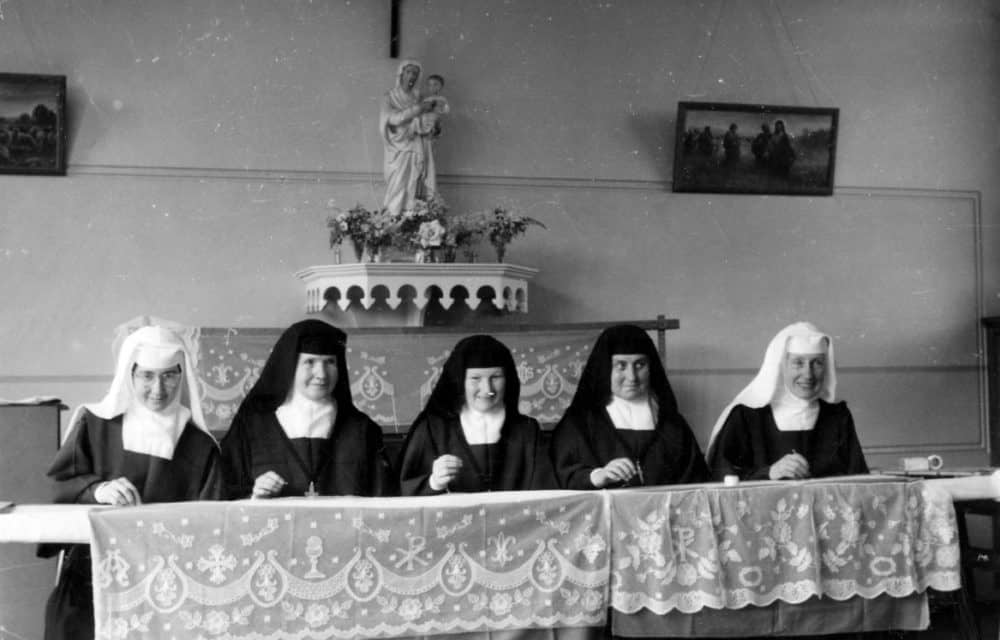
341	567
729	547
351	568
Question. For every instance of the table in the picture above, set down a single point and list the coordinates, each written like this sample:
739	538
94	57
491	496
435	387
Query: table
662	558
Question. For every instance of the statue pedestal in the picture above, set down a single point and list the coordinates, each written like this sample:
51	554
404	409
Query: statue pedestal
413	294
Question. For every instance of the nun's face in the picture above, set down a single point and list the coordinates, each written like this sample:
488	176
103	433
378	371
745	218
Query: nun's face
315	376
804	374
156	389
484	388
630	376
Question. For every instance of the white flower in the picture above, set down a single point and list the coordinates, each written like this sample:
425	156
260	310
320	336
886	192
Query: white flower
216	622
687	574
947	556
649	543
501	604
117	628
317	615
431	233
592	600
410	609
783	532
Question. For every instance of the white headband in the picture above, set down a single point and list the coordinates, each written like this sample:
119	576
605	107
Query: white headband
807	344
149	356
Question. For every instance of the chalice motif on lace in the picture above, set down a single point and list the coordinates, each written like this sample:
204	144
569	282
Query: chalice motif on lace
314	549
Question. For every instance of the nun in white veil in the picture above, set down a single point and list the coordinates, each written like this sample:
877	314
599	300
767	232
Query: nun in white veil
786	424
145	441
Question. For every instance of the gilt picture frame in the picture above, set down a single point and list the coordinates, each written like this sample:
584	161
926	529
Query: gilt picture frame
755	148
32	124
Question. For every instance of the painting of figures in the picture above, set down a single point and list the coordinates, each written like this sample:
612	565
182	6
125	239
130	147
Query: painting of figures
742	148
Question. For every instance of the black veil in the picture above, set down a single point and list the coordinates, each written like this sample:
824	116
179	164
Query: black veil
278	375
594	389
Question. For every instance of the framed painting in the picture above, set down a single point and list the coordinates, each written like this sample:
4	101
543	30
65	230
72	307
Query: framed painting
754	148
32	124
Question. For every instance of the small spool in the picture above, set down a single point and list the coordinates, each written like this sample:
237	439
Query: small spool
731	480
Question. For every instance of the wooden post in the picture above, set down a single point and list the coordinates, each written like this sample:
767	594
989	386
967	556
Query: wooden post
394	28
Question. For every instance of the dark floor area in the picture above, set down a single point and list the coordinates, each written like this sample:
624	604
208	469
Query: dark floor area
944	624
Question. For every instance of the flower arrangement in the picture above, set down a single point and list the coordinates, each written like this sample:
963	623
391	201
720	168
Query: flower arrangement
427	230
379	232
463	232
422	228
502	226
350	224
365	229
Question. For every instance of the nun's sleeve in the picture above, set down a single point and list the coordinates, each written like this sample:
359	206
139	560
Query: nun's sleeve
571	466
852	454
383	480
417	460
73	469
690	462
211	481
237	460
542	474
734	447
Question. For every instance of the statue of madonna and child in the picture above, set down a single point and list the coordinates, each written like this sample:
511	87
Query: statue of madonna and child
409	122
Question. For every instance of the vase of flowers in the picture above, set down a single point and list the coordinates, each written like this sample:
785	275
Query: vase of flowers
359	249
430	236
502	226
378	233
463	232
368	231
421	228
352	225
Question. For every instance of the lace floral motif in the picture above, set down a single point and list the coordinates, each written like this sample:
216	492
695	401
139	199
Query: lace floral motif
769	543
548	561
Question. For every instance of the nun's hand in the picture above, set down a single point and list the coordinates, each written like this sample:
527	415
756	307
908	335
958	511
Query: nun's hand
444	470
268	485
792	465
119	492
614	472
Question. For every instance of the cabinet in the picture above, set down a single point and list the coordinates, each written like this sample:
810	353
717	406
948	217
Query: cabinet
29	437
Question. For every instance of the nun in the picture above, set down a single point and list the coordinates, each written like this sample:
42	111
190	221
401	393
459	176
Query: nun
470	437
145	442
297	432
786	424
623	427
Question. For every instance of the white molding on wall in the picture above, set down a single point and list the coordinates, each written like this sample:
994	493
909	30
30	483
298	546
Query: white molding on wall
366	177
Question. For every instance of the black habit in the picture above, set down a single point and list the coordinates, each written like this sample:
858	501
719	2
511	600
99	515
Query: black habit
586	439
750	442
93	454
351	461
518	461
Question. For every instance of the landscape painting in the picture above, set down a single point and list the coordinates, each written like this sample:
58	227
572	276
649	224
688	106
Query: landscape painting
745	148
32	124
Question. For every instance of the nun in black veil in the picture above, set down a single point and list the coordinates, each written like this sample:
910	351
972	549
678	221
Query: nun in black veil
623	427
470	436
298	432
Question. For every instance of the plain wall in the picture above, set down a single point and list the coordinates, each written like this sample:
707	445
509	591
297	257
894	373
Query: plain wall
209	141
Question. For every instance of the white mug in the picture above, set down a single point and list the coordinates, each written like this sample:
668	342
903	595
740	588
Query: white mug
929	463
